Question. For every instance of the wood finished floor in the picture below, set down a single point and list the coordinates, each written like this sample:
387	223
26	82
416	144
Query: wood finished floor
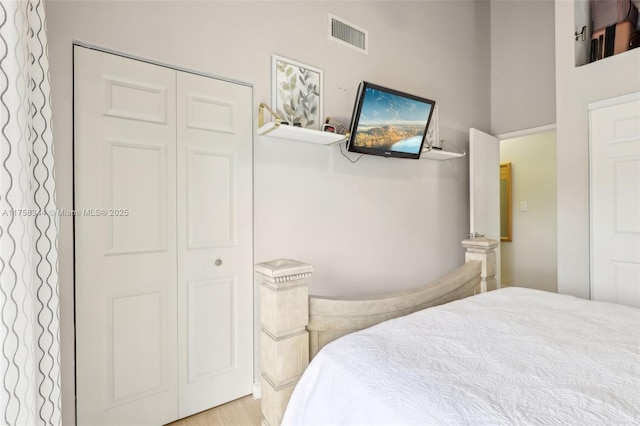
241	412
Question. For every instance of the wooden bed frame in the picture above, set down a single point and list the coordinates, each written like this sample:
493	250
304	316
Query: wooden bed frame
295	326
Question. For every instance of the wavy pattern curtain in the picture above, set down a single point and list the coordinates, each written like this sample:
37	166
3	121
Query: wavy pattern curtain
30	358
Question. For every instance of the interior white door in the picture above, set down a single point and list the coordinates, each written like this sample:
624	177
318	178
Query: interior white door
615	203
215	254
125	240
484	188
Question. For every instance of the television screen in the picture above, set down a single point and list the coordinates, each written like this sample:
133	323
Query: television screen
389	123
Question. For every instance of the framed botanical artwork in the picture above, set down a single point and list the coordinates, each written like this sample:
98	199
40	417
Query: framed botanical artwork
296	92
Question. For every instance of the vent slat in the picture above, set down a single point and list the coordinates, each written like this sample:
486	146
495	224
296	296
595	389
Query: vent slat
347	33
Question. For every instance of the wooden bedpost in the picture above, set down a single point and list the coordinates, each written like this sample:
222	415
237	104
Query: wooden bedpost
483	249
284	304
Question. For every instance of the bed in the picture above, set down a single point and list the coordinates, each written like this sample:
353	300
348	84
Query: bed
508	356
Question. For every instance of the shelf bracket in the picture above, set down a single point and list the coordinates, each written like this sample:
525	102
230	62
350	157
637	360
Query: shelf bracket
276	117
582	34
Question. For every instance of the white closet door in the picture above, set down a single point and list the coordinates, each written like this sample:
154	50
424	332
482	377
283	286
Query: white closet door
125	244
615	203
164	293
215	254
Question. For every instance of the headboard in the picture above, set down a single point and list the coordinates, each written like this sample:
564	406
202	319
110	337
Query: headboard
295	326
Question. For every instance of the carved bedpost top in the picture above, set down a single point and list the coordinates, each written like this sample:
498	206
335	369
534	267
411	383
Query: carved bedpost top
284	270
480	245
484	250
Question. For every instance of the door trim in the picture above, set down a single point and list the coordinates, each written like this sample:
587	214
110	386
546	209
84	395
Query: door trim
158	63
604	103
527	132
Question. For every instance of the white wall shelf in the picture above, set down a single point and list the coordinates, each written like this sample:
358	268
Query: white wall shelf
301	134
438	154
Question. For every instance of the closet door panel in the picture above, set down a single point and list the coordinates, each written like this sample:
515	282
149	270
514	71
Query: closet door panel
215	248
211	209
137	346
126	267
138	216
211	307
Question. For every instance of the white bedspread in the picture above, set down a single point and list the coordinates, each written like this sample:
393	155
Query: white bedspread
513	357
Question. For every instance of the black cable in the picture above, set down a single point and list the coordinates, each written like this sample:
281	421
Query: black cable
345	155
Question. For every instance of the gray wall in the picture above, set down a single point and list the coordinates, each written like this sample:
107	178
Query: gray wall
375	226
577	87
522	65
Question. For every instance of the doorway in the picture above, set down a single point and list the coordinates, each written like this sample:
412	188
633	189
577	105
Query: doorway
530	258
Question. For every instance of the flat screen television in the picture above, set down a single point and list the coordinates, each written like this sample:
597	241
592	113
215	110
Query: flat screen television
388	122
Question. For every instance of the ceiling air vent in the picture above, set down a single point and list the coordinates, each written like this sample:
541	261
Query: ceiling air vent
346	33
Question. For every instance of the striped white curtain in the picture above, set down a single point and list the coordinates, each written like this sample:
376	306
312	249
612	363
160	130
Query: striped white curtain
30	357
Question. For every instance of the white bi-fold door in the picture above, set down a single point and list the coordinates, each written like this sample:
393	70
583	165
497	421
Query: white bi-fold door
163	240
614	134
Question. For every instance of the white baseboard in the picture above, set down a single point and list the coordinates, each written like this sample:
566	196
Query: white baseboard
257	391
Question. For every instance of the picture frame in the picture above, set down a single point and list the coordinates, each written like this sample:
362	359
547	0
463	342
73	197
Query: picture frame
296	92
506	209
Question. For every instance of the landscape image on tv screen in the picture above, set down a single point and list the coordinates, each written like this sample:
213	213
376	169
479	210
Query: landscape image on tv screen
391	122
